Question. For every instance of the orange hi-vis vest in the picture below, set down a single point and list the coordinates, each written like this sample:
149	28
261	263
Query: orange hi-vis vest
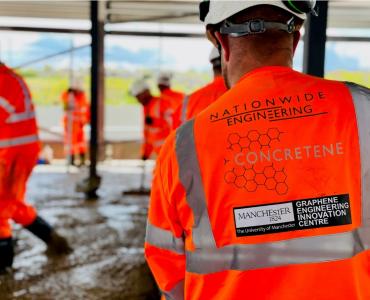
17	116
194	103
266	194
75	101
155	133
172	96
174	100
76	116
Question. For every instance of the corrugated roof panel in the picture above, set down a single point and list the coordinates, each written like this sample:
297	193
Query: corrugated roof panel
342	13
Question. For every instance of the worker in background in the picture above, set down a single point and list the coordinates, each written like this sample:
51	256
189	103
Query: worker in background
19	149
265	194
76	116
194	103
175	98
156	127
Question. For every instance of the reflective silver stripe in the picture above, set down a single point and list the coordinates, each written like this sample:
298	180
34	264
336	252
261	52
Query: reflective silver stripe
153	129
20	117
255	256
28	113
168	117
158	143
163	239
6	105
361	100
26	93
184	109
190	177
177	292
19	141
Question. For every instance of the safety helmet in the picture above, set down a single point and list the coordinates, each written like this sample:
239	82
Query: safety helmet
77	83
164	78
216	11
215	54
138	86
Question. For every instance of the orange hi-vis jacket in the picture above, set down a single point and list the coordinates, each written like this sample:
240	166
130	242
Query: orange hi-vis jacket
17	116
194	103
19	147
157	130
266	194
76	116
174	99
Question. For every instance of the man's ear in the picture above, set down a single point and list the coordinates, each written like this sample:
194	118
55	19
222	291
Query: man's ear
211	36
223	41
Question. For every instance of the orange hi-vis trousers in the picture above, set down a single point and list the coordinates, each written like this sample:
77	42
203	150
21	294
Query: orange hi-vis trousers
16	164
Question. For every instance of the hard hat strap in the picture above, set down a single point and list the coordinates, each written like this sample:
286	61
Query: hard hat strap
255	27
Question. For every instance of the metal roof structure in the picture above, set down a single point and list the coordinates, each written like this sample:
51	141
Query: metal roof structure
342	13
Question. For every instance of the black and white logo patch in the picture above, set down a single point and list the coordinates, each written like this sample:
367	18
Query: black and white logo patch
294	215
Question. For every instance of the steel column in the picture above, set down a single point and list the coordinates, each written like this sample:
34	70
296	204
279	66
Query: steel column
97	95
315	41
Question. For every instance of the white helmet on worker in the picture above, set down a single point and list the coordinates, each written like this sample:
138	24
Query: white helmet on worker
214	11
138	86
215	54
77	83
164	78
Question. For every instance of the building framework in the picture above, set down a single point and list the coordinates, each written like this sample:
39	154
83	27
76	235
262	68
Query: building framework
333	14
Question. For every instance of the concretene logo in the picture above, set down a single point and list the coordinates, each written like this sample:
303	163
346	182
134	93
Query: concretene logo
255	160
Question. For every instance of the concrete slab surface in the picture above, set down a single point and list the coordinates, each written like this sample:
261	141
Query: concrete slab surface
107	236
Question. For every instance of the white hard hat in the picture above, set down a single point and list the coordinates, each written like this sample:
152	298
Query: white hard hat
77	83
164	77
215	54
138	86
220	10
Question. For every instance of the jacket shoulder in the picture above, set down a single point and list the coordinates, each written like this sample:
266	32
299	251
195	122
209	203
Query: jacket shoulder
358	90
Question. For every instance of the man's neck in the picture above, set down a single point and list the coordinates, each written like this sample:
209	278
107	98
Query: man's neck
243	67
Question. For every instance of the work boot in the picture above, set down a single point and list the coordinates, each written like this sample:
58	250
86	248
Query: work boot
6	254
82	159
72	160
58	245
43	230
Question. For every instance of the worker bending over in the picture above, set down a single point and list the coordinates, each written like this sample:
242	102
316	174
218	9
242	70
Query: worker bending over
155	110
196	102
19	149
266	193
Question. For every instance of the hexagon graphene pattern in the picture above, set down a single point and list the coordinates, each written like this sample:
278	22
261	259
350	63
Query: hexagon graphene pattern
251	177
253	139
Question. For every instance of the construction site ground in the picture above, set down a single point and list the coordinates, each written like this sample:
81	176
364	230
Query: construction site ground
107	236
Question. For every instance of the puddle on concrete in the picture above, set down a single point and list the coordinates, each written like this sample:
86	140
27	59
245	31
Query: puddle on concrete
107	236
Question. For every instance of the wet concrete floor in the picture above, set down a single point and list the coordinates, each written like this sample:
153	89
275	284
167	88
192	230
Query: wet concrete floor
107	236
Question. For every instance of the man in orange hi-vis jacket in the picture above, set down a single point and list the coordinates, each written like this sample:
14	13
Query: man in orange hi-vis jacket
164	86
76	116
155	110
174	98
196	102
19	148
266	193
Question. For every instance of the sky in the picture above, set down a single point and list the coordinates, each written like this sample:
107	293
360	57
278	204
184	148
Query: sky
178	54
170	52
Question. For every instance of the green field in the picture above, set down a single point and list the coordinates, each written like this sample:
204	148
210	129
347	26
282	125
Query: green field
362	78
46	89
